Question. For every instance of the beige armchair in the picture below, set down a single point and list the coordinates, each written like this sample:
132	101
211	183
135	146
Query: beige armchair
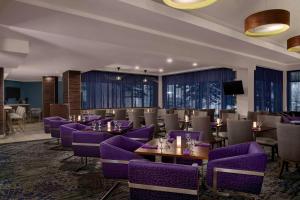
171	122
288	136
239	131
120	114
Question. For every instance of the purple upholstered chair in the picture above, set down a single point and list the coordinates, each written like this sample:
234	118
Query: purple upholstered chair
66	132
238	167
194	135
87	144
47	122
116	152
143	134
148	181
55	124
88	119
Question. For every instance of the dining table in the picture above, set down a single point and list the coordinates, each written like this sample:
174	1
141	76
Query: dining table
165	148
260	130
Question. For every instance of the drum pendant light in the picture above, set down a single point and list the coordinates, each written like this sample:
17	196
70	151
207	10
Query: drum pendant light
293	44
267	23
188	4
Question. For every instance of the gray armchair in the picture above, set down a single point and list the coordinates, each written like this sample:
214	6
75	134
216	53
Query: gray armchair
288	136
239	131
171	122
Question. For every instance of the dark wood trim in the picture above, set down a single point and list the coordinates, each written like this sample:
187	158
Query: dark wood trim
72	91
50	91
2	112
267	17
293	42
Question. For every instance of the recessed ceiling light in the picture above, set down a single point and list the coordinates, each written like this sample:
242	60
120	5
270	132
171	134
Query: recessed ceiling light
195	64
169	60
161	70
137	67
189	4
267	23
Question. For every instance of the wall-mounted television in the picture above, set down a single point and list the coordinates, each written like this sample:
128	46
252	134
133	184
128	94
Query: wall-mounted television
12	92
233	88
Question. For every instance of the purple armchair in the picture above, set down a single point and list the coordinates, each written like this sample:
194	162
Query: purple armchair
66	132
143	134
47	122
88	119
55	124
148	181
87	144
238	167
116	152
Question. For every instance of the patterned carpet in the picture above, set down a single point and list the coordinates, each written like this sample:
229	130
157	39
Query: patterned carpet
30	170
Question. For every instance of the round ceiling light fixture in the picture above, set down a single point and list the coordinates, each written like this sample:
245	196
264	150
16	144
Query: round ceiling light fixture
267	23
293	44
188	4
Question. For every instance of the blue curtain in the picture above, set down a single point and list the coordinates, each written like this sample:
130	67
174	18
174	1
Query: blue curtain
104	90
268	89
293	90
197	90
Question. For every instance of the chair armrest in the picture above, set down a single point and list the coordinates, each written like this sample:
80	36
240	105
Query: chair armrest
216	170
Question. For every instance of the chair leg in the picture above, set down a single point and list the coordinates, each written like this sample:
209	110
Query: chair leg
82	167
273	152
107	194
282	164
67	158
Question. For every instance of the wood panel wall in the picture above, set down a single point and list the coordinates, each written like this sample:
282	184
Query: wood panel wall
50	93
72	91
2	112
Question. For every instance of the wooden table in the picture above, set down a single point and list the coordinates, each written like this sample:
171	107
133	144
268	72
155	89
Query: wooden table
170	150
258	131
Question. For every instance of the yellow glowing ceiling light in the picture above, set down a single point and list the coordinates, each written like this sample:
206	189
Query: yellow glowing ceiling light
188	4
293	44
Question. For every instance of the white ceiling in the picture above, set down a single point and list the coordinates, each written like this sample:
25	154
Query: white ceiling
103	34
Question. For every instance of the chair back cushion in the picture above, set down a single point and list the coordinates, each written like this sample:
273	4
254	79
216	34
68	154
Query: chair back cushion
148	181
239	131
171	122
288	136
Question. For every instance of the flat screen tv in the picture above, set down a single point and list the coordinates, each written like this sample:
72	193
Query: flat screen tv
12	92
233	88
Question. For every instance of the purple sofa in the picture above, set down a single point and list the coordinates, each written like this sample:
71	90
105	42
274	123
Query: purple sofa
238	167
116	152
143	134
47	122
66	132
55	124
149	181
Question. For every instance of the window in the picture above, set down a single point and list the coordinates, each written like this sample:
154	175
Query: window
202	89
268	89
103	90
293	90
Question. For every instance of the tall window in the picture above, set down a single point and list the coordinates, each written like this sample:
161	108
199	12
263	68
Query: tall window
202	89
293	90
118	90
268	89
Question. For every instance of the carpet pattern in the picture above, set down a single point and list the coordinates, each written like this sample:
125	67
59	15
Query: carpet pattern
31	170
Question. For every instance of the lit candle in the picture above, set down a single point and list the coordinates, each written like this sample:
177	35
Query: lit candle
178	141
148	110
218	121
79	118
186	118
254	124
113	111
108	125
193	112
